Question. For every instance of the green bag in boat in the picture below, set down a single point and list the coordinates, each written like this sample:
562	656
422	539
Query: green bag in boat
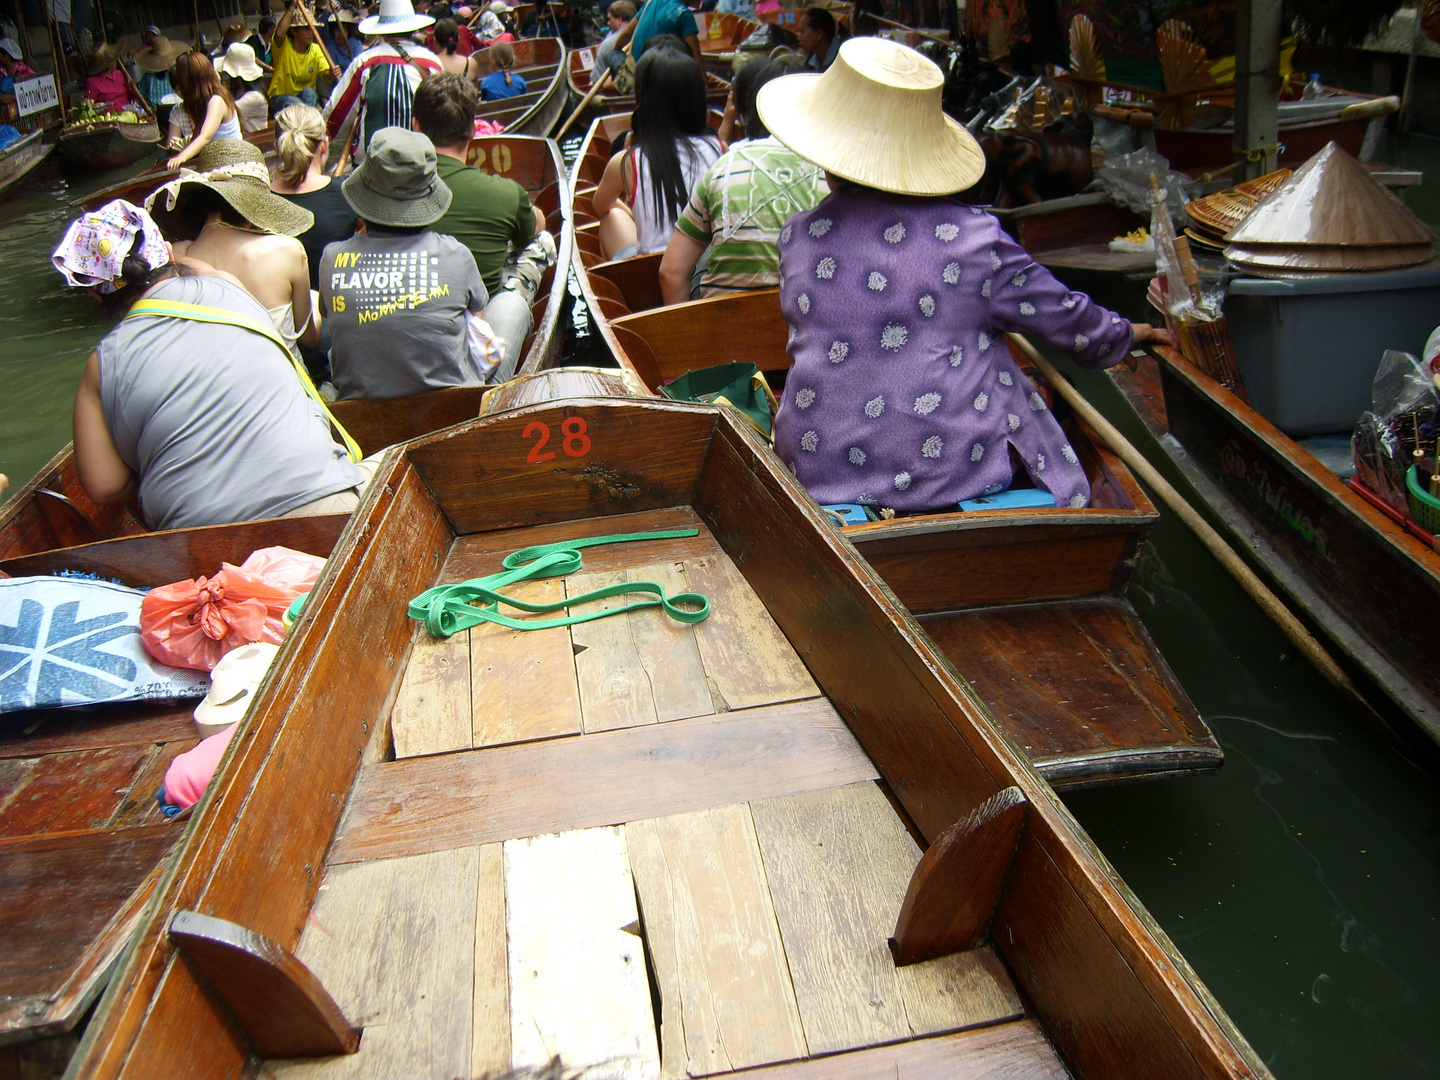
738	385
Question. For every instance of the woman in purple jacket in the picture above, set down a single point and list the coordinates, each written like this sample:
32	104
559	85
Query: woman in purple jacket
903	393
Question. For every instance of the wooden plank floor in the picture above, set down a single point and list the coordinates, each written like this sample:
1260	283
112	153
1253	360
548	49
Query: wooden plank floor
681	822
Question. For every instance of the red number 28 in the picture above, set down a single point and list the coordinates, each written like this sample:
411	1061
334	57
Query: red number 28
575	443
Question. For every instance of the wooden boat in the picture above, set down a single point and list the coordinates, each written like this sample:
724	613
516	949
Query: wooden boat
1074	233
720	36
542	62
581	61
1048	641
20	159
107	145
137	187
430	852
82	839
1369	586
53	511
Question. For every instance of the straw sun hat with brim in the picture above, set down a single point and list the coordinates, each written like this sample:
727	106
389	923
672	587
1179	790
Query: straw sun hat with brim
239	63
874	118
104	58
397	184
160	56
235	171
396	17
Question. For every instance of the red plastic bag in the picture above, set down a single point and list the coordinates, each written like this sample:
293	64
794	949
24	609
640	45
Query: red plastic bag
192	624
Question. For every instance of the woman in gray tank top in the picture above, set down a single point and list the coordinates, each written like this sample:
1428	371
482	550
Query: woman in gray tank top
206	422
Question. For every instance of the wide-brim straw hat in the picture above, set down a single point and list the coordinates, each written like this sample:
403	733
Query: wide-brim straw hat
160	56
396	17
239	63
104	58
344	15
397	184
235	170
874	118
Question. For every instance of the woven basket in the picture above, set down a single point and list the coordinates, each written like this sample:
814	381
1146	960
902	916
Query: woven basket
1424	507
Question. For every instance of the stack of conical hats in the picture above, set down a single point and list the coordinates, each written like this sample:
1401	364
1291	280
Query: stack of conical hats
1329	218
1212	216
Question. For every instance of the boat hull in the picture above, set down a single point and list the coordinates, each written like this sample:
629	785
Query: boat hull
108	146
544	64
20	159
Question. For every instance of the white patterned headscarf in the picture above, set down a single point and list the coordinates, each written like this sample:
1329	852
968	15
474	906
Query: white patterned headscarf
97	244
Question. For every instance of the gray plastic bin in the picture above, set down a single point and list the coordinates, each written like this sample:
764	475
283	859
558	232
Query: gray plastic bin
1309	349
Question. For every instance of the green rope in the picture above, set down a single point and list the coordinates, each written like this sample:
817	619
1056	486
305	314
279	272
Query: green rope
448	609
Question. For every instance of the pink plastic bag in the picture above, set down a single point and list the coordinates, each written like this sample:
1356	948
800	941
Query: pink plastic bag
189	774
487	127
193	624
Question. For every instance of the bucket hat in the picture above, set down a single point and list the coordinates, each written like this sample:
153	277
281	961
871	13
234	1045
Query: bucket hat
96	245
874	118
396	17
239	63
235	171
233	684
397	184
11	46
160	56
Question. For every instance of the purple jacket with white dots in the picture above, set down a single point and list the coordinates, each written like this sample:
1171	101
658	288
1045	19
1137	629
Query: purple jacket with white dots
903	391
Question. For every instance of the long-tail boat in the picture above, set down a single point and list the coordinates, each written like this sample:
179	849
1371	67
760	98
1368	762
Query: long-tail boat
608	101
542	63
107	144
1367	581
21	158
1029	605
142	183
82	838
720	35
646	845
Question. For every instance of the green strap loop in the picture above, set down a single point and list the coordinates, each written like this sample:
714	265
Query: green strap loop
447	609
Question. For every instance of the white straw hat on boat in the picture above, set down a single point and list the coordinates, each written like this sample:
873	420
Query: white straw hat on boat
396	17
874	118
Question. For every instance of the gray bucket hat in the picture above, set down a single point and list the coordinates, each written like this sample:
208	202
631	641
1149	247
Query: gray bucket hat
397	184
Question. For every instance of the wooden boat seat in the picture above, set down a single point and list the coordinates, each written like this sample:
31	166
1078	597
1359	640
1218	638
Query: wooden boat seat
641	358
589	243
756	333
715	749
67	521
606	289
547	199
378	424
638	278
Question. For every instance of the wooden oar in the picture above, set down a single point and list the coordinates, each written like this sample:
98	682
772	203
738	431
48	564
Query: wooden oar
1271	604
310	21
596	85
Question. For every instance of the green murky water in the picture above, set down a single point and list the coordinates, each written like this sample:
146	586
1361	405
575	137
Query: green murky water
1302	880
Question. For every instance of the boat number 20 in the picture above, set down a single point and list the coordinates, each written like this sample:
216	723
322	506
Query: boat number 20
573	439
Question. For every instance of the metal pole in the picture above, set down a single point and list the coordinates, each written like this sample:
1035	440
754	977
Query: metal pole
1257	87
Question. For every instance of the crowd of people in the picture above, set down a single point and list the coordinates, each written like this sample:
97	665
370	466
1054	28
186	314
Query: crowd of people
416	271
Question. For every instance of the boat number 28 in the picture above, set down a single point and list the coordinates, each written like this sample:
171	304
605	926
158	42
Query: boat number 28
573	439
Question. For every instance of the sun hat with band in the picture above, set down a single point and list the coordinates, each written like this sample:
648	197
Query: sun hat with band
397	184
95	247
235	170
396	17
239	63
874	118
160	55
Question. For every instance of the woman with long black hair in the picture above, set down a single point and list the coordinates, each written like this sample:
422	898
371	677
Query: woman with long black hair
644	189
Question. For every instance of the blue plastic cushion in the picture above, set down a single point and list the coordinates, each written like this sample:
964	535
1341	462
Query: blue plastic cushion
1014	499
850	513
68	642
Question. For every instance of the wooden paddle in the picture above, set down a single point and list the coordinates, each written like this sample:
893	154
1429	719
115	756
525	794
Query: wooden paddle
310	21
1271	604
596	86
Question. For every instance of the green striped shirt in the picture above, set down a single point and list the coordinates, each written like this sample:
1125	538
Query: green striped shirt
739	208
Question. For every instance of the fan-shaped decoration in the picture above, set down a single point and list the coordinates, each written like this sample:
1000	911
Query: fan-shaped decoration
1087	66
1186	71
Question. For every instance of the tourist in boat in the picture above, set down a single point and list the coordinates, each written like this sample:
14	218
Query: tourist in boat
107	85
643	190
246	85
154	62
298	60
494	24
225	215
819	38
302	146
261	40
380	83
205	105
395	333
203	419
737	210
659	17
503	82
491	215
465	40
343	43
447	48
617	18
903	393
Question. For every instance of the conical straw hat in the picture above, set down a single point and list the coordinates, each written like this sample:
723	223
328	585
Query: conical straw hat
1339	258
874	118
1331	199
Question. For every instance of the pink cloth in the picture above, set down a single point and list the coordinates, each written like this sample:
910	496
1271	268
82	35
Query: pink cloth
109	89
189	774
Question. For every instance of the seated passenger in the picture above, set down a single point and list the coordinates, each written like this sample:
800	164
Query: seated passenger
737	210
617	17
643	190
398	293
225	215
490	215
819	38
246	83
903	393
205	103
206	421
301	147
107	85
502	82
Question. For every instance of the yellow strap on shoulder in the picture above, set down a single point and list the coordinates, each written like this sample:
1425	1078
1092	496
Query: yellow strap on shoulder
176	309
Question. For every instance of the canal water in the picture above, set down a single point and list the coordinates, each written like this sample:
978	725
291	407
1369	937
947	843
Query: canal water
1301	881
